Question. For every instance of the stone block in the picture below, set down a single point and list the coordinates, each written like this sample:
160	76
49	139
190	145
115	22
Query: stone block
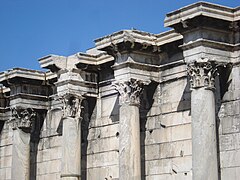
105	173
230	124
6	141
235	79
48	177
103	145
230	142
230	159
176	149
3	173
230	173
8	173
152	152
5	161
55	141
154	110
175	133
173	119
103	132
158	136
54	166
151	122
181	132
41	168
110	158
179	176
103	121
6	151
161	166
182	164
166	108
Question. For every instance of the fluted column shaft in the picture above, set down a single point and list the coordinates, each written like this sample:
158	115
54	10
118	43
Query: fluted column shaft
204	145
129	137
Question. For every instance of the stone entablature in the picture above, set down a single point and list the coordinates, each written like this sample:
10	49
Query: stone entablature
204	9
167	107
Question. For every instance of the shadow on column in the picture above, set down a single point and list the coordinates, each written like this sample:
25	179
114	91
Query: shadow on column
1	126
88	113
34	141
147	101
222	86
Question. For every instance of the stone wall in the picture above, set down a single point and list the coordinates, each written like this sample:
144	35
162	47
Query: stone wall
137	106
229	127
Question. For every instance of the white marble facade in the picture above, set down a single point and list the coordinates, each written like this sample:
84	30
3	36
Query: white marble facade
137	106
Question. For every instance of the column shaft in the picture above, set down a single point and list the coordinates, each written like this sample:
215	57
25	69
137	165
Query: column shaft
129	145
129	138
71	137
71	152
21	122
20	155
204	144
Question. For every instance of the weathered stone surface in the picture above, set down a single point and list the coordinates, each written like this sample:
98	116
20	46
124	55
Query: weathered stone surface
229	142
230	158
162	166
109	158
137	106
20	155
230	173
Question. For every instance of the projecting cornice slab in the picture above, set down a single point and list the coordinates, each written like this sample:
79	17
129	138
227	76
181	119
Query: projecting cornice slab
202	9
168	37
22	73
125	35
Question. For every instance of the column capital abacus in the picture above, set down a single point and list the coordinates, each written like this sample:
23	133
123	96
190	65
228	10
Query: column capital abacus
22	118
130	91
202	74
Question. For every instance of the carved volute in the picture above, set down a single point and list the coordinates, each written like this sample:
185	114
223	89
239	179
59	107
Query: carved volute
129	91
22	118
202	74
71	105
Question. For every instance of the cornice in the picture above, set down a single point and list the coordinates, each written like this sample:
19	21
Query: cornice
201	9
209	43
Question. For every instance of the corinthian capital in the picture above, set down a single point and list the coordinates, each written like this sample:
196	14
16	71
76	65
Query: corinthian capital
202	74
129	91
71	105
22	118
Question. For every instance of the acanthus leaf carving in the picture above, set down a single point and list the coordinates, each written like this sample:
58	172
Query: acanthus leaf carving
71	105
22	118
129	91
202	74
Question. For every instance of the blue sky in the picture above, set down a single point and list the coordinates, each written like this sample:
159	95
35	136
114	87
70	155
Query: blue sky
30	29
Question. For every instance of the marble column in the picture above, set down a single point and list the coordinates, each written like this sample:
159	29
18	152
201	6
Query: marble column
129	129
21	123
71	137
204	145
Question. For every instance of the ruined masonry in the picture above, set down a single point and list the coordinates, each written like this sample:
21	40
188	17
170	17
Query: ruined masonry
137	106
